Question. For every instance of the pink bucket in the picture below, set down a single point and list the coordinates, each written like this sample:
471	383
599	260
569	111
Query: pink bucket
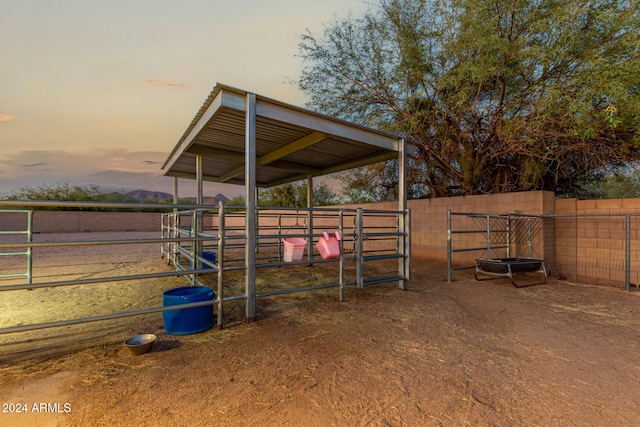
293	248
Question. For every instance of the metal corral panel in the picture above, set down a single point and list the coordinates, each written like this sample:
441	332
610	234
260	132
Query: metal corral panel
291	142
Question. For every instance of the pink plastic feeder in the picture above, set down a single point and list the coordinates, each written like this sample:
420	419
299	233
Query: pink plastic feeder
329	246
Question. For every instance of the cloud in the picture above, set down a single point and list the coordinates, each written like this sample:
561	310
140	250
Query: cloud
158	82
74	164
134	170
6	117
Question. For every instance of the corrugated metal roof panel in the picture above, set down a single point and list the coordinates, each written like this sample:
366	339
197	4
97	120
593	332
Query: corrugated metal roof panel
291	142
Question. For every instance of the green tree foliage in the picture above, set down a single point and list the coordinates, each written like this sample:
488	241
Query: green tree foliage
371	184
620	185
62	192
65	192
495	95
236	201
295	195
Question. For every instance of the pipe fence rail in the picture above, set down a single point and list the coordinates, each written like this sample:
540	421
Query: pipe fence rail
20	250
189	234
367	235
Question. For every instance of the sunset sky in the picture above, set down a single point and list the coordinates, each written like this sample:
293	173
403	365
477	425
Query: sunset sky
99	92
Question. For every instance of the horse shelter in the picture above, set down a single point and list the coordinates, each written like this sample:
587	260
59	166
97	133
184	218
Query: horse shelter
238	137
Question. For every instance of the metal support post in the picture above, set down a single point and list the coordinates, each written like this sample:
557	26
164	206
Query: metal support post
359	249
449	247
310	218
199	202
250	219
341	243
403	225
529	238
407	245
193	263
29	249
280	238
220	259
508	242
488	236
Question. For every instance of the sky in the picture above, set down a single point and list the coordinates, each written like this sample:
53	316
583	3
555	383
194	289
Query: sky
99	92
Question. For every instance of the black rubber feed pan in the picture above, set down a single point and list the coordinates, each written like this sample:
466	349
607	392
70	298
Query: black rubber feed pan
509	266
518	265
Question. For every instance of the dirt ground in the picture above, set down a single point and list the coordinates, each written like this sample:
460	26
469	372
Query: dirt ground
451	354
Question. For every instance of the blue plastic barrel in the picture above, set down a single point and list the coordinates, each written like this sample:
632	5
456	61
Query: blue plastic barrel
187	320
208	256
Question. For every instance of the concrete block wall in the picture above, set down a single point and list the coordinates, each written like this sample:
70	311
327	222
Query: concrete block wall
82	221
592	248
13	221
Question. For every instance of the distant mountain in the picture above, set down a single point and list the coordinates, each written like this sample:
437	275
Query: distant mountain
115	197
208	200
148	196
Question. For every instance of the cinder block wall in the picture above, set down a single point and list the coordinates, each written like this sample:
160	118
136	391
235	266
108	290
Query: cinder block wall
81	221
592	248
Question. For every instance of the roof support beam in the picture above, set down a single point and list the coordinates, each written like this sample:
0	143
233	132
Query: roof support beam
361	162
297	116
295	167
300	144
232	174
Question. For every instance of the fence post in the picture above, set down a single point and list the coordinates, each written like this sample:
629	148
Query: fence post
627	255
407	245
529	238
29	248
359	249
449	244
193	233
508	240
220	259
401	247
280	238
341	243
489	236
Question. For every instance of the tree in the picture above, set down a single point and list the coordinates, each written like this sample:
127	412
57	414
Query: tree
295	195
63	192
620	185
236	201
495	95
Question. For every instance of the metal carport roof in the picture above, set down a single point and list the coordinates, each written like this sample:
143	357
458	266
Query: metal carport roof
291	143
